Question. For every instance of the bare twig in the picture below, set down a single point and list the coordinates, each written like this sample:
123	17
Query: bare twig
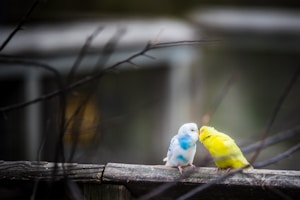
181	43
19	26
157	191
107	51
279	157
98	75
222	94
207	185
278	105
272	140
279	193
166	186
83	52
28	63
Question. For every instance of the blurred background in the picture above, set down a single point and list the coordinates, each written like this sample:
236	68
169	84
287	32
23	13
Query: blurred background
130	114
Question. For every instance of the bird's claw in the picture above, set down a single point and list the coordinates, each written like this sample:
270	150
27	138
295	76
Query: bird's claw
180	169
192	165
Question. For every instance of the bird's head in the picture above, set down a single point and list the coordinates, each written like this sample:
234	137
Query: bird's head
205	132
190	129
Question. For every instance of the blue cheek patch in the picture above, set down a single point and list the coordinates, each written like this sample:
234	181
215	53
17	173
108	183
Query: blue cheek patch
182	158
185	142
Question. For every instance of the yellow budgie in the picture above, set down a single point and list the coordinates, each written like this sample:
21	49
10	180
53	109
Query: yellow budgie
223	149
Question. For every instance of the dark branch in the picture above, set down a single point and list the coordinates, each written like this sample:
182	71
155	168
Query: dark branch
278	157
28	63
222	94
166	186
19	26
83	52
181	43
278	105
205	186
98	75
107	51
273	140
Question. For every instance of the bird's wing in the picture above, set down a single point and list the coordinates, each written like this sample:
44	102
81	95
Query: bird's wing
222	145
171	147
226	146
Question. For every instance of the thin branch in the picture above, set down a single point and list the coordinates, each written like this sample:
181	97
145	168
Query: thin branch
148	56
134	64
83	52
166	186
28	63
222	94
98	75
207	185
19	26
181	43
157	191
278	105
278	157
107	51
272	140
109	48
279	193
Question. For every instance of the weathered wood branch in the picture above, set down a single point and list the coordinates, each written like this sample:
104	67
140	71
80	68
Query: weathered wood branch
141	179
250	184
43	171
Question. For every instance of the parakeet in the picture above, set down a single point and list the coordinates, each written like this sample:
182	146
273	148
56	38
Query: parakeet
182	148
223	149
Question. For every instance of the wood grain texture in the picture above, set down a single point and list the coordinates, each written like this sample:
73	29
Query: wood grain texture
115	172
250	184
106	191
128	181
43	171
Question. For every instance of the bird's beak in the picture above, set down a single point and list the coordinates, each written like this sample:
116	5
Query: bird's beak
199	135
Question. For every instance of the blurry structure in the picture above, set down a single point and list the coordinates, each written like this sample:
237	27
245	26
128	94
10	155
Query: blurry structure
133	111
261	49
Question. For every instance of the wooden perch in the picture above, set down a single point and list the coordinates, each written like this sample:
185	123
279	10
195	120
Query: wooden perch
43	171
125	181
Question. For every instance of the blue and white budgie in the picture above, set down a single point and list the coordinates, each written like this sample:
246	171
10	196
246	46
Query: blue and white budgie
182	148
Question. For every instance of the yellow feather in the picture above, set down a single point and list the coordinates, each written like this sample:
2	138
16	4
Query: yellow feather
223	149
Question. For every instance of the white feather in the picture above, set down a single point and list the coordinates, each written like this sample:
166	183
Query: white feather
182	147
